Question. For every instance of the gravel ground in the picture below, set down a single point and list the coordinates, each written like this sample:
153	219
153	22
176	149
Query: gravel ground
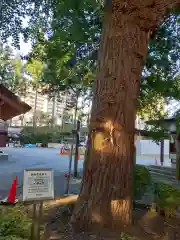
20	158
35	158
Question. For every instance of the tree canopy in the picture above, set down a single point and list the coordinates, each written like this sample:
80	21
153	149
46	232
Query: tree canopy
66	35
70	53
12	71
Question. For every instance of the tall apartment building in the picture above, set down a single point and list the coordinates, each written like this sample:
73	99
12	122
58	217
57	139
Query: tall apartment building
54	108
139	123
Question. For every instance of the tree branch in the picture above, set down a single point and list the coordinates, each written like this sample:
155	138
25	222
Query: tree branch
162	7
167	3
148	14
72	89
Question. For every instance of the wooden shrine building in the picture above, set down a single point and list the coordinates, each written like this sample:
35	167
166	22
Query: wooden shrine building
10	106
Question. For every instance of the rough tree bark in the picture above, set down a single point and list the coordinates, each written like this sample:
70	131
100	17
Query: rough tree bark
106	193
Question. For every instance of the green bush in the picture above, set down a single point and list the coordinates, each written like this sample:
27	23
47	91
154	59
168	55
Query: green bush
168	195
14	224
167	198
40	135
142	181
125	236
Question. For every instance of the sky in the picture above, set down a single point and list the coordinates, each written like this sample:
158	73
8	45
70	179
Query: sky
24	47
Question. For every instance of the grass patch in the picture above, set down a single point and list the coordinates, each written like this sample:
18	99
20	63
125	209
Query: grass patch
14	224
168	193
126	236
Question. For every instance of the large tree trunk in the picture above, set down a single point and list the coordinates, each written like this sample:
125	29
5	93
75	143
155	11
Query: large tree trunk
106	193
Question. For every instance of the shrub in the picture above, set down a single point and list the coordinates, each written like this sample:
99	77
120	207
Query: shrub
40	135
125	236
142	181
14	224
168	198
43	135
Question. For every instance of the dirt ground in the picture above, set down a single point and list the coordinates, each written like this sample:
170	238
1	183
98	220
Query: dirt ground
147	225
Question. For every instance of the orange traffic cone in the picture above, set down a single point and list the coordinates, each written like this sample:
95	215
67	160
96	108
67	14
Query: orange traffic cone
11	199
12	192
61	151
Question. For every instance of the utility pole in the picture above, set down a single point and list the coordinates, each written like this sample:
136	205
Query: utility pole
162	152
63	114
76	157
74	137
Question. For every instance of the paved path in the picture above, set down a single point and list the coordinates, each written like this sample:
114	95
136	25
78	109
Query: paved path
20	158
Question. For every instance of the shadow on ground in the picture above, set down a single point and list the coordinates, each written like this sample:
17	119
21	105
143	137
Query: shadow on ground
147	225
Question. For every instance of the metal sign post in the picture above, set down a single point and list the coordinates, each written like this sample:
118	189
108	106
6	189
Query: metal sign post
70	165
76	156
75	141
38	185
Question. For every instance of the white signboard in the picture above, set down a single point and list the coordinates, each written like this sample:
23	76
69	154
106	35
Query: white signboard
38	184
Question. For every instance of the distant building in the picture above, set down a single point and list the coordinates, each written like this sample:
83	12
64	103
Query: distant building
52	108
139	123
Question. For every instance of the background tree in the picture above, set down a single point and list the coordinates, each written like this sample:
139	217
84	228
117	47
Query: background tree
42	119
12	71
17	12
35	68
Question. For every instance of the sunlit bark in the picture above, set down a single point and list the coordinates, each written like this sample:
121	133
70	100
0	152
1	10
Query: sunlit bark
106	193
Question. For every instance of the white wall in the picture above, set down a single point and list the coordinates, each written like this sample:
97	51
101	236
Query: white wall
55	145
148	147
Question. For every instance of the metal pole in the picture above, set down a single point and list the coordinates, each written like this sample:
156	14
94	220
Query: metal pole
72	144
69	169
77	127
162	152
76	157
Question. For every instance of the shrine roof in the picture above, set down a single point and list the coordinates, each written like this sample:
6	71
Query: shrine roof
10	104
